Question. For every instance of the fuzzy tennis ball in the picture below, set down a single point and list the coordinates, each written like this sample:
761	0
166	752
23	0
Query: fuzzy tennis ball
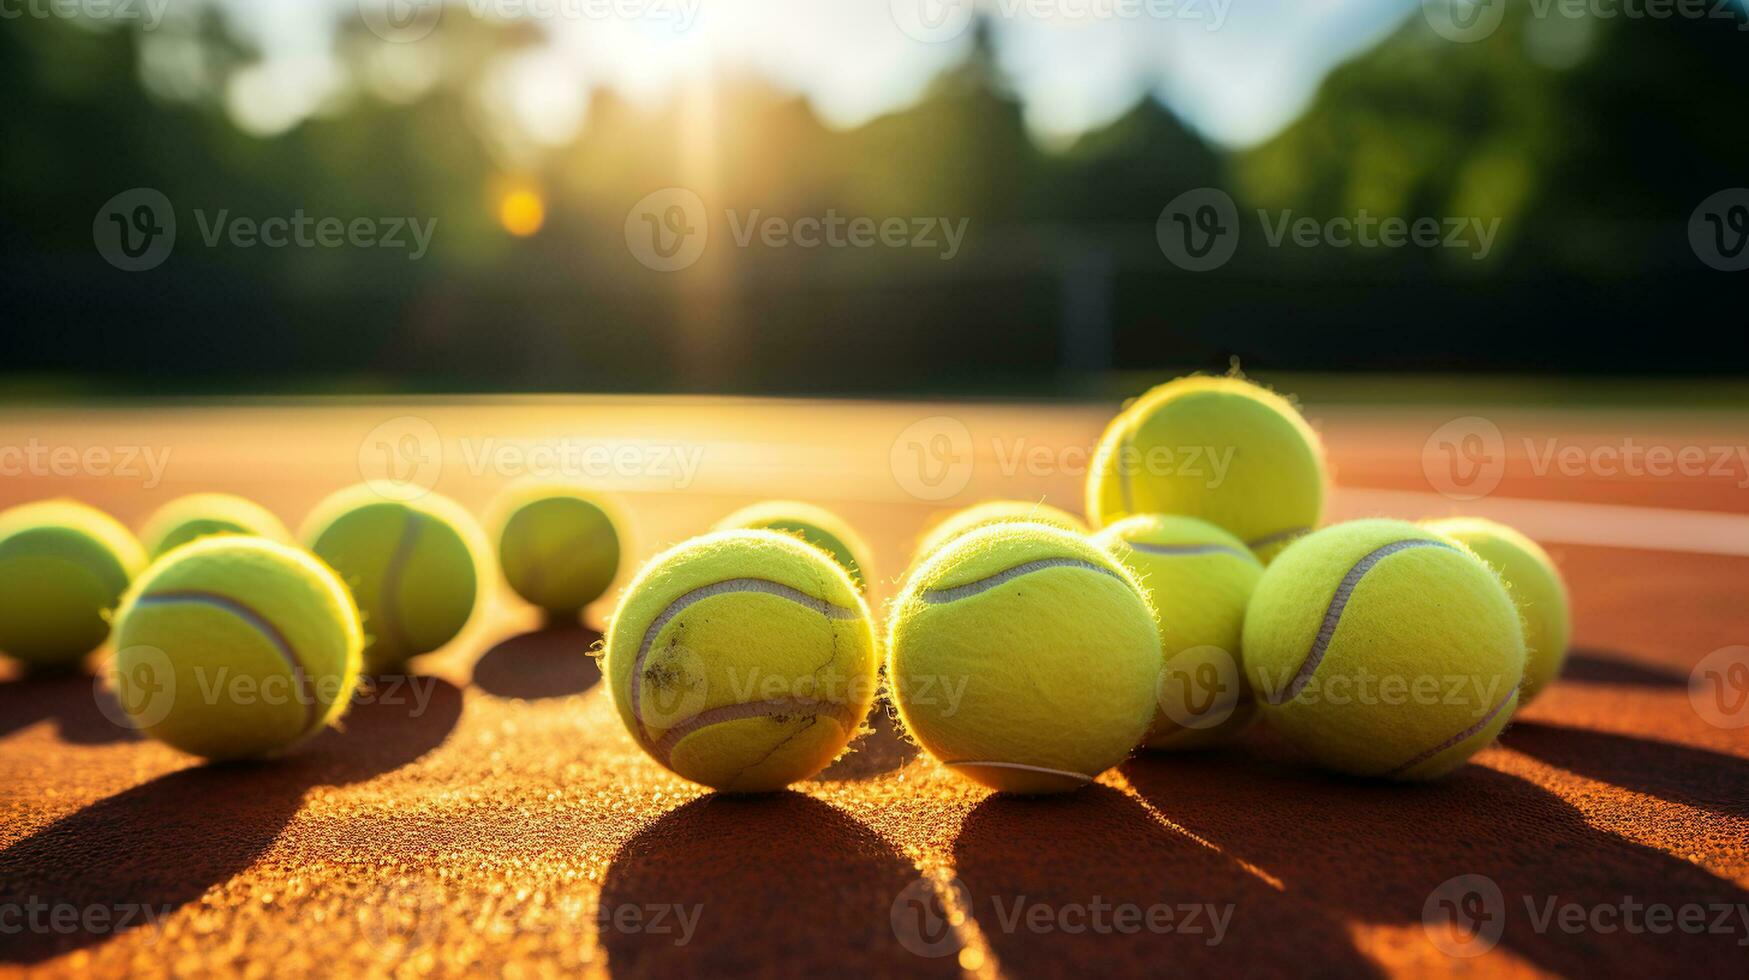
1024	657
63	569
236	647
1384	649
994	512
815	525
412	566
1199	578
559	547
743	660
1221	449
1536	587
201	514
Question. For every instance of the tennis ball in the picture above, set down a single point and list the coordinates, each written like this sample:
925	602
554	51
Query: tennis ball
63	568
815	525
412	566
1536	587
559	547
201	514
1221	449
1384	649
1199	578
994	512
1024	657
236	647
743	660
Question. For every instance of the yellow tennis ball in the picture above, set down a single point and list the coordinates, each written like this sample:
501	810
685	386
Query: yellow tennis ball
1384	649
236	647
559	548
1221	449
63	569
743	660
1536	587
201	514
412	566
1024	657
994	512
1199	579
815	525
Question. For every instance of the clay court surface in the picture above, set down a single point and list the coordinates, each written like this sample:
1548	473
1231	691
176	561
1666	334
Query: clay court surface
491	815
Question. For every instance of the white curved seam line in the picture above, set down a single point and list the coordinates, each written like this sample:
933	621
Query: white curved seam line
958	592
261	625
1023	767
826	608
664	746
1333	615
1180	550
1460	737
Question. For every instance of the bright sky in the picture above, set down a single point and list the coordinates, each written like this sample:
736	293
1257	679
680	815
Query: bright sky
1237	69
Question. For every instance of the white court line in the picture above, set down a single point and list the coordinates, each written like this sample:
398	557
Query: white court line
1701	532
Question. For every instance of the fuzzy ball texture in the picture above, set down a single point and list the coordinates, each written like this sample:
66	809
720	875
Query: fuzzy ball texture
236	647
815	525
1221	449
1024	657
742	660
413	568
63	569
1383	649
1199	579
199	515
559	548
994	512
1536	587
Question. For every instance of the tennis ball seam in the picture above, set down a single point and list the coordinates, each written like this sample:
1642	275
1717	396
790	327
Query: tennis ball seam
1459	738
1333	615
1286	534
663	748
955	593
261	624
1079	777
825	607
1174	550
391	588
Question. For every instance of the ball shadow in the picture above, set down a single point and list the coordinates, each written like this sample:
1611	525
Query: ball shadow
883	748
550	662
75	701
1591	666
772	883
1699	778
1375	853
1048	879
143	853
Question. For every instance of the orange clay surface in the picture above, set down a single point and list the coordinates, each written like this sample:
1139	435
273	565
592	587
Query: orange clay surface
491	815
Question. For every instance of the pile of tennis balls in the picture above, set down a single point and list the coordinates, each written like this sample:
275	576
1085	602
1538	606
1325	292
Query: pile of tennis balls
1030	652
1027	649
232	640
